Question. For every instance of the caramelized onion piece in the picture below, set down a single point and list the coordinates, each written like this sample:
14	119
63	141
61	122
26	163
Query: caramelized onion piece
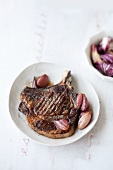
84	119
62	124
84	105
79	100
43	81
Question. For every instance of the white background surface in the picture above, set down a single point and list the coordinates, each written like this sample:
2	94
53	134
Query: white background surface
30	34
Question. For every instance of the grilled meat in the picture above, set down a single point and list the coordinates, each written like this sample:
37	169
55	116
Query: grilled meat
51	111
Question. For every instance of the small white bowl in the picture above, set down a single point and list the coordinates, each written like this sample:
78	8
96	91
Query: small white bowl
95	39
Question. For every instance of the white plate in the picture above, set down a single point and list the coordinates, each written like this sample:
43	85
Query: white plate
55	73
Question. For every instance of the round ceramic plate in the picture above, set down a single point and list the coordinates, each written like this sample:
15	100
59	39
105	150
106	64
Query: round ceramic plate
54	72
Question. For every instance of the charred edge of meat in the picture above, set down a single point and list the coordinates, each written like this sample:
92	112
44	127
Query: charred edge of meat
22	108
73	117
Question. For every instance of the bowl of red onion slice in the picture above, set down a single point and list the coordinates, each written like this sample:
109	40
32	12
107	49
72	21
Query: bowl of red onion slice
99	53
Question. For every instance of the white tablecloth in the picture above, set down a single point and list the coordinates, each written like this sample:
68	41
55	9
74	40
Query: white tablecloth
30	34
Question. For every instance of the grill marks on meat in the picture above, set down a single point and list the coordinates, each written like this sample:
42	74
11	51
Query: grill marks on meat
53	101
44	106
45	125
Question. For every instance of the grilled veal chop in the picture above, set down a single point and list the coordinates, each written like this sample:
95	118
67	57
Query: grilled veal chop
51	111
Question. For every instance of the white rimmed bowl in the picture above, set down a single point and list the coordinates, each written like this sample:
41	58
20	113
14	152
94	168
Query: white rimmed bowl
95	39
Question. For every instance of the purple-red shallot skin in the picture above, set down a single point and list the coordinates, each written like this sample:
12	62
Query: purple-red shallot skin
62	124
43	81
104	45
107	58
95	55
85	103
105	68
79	100
84	120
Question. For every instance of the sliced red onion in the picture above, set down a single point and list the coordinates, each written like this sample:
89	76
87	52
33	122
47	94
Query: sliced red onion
110	49
108	58
105	68
109	70
102	56
104	45
95	55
